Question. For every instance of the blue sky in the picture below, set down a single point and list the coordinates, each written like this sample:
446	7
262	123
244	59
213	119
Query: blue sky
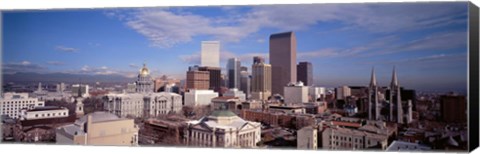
427	42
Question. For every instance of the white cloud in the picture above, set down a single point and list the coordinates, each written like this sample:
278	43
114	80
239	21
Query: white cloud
23	66
224	56
56	63
132	65
66	49
166	28
25	63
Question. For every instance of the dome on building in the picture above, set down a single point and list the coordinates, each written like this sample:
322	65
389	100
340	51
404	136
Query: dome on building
144	71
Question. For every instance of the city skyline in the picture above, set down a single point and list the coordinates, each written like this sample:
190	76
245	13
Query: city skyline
427	45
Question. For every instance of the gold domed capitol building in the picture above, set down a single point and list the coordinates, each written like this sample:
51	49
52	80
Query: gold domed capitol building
144	83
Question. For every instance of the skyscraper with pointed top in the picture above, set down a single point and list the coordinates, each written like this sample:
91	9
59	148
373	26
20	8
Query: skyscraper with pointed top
373	103
395	99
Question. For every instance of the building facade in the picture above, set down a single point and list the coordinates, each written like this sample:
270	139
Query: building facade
235	93
223	129
46	112
144	83
245	80
143	105
12	103
233	71
99	128
215	77
305	73
296	93
307	138
261	79
197	79
199	97
210	55
283	55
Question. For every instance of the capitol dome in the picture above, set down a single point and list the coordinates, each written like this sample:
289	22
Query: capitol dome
144	71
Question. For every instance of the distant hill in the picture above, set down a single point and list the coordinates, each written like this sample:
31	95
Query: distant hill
63	77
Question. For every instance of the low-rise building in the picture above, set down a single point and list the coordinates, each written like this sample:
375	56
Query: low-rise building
99	128
143	104
234	92
223	129
296	93
287	108
12	103
168	131
199	97
307	138
407	146
226	102
46	112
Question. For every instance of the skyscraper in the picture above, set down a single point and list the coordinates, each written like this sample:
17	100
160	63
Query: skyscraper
215	77
233	69
283	55
245	81
261	79
305	73
197	79
210	55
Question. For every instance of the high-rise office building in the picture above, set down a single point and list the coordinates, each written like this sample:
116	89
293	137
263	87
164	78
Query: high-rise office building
305	73
197	79
245	80
210	55
233	69
215	77
261	79
258	59
283	55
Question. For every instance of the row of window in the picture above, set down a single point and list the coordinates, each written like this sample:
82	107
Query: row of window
53	114
16	102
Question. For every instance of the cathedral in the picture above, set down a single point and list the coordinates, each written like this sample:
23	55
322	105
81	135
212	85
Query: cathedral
398	110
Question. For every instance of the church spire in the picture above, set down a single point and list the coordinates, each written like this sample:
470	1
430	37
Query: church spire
394	78
373	80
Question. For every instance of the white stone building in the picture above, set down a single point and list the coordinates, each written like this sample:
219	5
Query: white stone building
143	105
46	112
316	93
223	129
84	90
199	97
234	92
296	93
307	138
99	128
343	92
12	103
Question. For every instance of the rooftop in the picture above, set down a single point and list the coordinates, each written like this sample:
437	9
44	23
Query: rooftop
407	146
98	117
223	113
47	108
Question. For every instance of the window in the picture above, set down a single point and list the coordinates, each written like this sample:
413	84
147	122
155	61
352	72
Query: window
36	115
